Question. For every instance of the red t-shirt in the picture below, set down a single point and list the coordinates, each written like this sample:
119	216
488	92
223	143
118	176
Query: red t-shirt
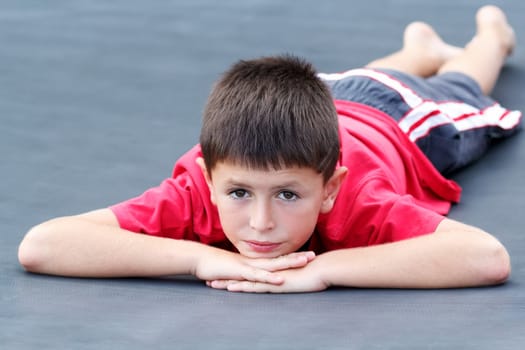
392	192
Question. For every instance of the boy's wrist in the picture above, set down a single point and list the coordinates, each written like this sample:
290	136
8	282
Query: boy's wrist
335	268
198	255
323	269
187	255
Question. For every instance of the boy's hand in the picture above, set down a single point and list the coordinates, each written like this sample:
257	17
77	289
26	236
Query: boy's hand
295	280
227	266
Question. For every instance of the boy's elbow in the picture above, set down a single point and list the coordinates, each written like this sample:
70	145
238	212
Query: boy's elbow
31	251
497	264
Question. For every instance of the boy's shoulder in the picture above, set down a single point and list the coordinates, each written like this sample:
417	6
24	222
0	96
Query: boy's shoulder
187	163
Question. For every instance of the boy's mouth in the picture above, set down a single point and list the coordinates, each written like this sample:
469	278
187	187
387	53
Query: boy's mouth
262	247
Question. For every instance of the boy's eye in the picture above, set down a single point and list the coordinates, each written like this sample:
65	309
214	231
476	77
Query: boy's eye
287	196
238	194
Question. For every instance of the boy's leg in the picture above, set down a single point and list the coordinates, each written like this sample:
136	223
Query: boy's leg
448	115
485	54
423	52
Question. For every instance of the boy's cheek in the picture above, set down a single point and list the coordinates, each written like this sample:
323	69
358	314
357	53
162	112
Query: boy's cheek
229	218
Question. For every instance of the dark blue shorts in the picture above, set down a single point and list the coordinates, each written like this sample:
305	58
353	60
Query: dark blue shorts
447	115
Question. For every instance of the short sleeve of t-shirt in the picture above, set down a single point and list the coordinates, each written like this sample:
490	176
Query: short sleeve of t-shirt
376	214
153	212
178	208
389	216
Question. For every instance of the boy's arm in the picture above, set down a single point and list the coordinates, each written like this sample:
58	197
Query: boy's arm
93	245
455	255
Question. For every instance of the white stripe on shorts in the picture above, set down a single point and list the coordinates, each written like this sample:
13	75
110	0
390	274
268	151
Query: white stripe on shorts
426	115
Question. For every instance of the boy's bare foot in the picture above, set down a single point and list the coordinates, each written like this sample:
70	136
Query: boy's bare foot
491	20
420	40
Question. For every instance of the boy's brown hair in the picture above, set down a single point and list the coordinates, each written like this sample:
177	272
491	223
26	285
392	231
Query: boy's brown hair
271	113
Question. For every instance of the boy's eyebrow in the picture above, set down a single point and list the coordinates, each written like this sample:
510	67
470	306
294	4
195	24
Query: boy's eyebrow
236	183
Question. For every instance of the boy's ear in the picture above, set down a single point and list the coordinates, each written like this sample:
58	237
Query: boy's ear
332	187
207	177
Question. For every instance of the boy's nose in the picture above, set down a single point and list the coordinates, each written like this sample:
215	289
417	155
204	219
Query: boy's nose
261	219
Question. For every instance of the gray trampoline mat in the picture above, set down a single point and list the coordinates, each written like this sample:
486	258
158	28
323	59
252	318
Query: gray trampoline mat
97	101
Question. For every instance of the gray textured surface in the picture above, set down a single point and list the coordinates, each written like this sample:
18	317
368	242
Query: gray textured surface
97	100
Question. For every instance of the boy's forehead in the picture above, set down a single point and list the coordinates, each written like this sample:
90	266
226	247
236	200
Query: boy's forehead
234	171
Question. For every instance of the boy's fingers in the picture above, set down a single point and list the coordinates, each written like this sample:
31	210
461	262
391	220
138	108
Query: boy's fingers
250	274
218	284
242	286
284	262
251	287
260	275
308	255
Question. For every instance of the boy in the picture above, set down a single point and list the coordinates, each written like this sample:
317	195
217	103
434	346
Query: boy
282	174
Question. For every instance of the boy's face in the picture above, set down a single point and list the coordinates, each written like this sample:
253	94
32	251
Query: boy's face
269	213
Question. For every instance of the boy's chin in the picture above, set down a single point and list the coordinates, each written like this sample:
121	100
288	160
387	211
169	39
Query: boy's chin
259	255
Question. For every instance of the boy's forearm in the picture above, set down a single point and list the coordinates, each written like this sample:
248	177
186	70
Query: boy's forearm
72	246
443	259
